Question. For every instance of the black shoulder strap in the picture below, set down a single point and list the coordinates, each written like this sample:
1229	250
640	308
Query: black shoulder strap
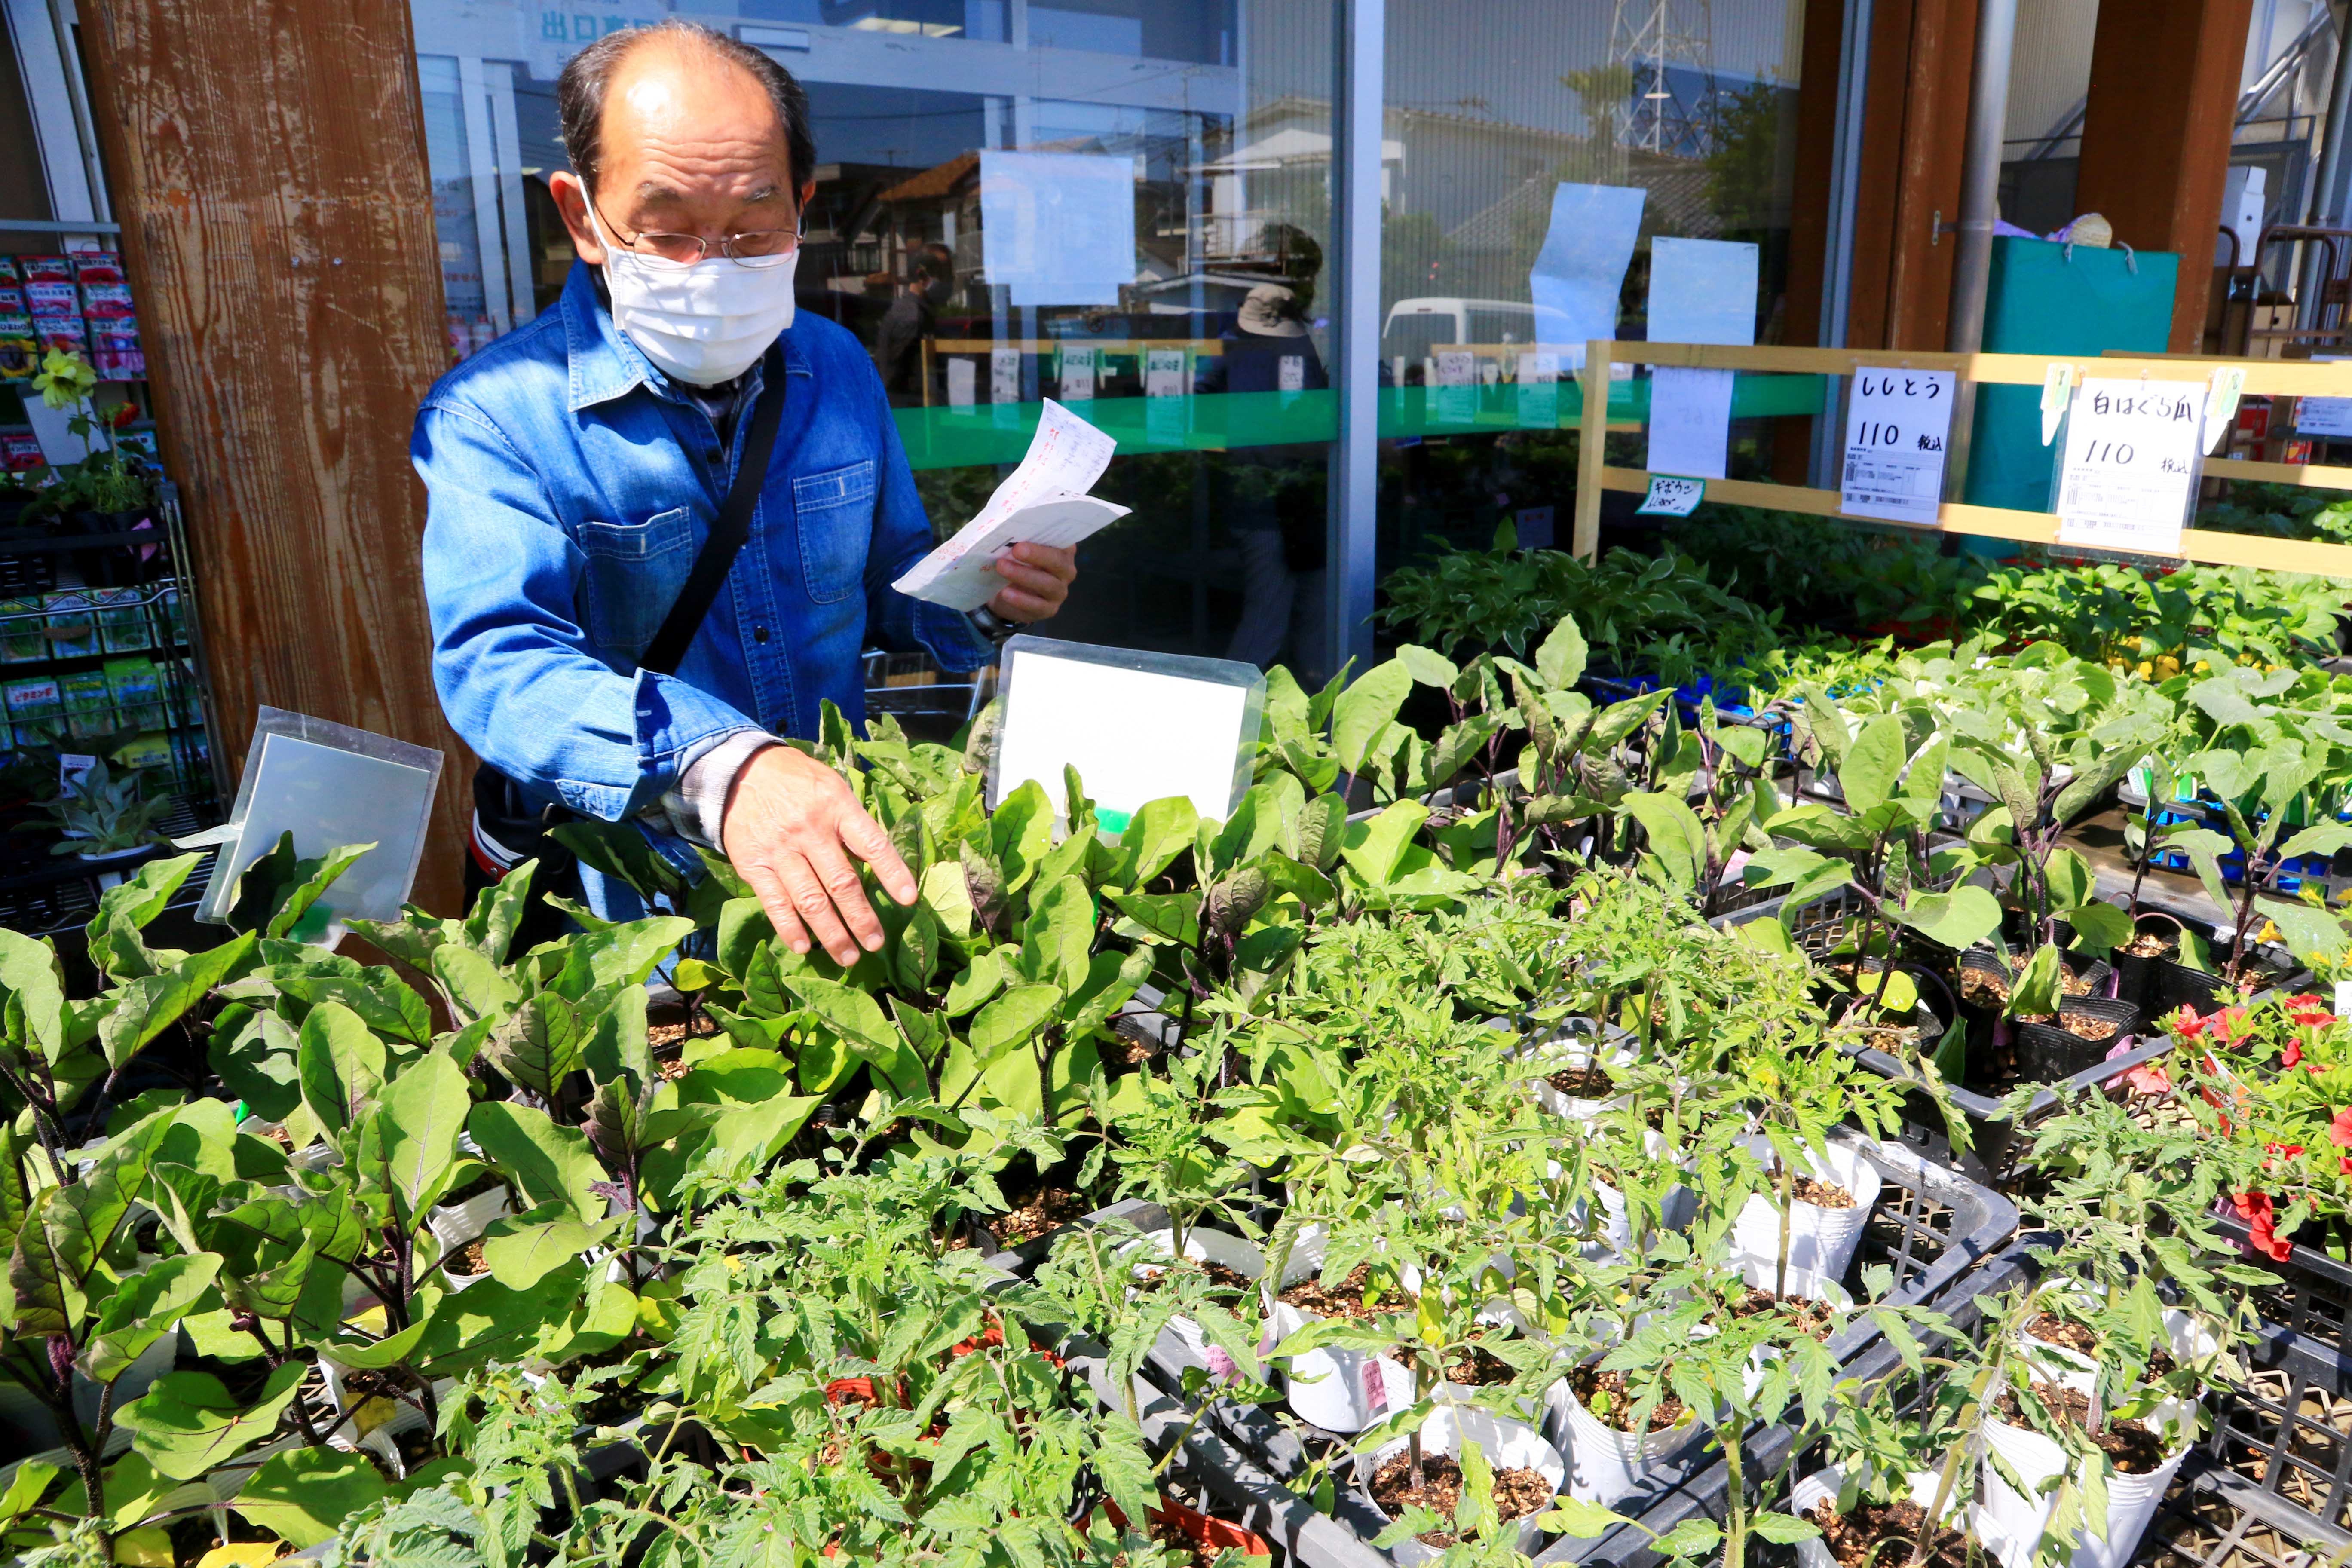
728	532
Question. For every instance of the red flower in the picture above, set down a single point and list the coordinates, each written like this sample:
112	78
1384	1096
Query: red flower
2189	1026
2339	1131
123	416
2312	1017
2255	1208
2231	1024
2292	1055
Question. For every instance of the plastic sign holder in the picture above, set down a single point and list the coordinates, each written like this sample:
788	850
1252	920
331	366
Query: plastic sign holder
1136	727
330	786
2061	377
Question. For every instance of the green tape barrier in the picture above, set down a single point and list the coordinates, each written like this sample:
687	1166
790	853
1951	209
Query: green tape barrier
1217	422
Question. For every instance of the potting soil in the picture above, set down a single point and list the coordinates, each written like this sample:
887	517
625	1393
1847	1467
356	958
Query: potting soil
1048	1208
1815	1318
1605	1395
1345	1300
1519	1491
2132	1447
1880	1533
1583	1083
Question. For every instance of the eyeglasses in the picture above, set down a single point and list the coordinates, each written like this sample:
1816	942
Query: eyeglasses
754	247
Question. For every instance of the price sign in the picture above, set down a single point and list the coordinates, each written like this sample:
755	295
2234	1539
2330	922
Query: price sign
1897	424
2132	459
1077	375
1672	497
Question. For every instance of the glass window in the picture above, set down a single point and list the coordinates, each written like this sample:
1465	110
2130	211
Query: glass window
1127	211
1489	110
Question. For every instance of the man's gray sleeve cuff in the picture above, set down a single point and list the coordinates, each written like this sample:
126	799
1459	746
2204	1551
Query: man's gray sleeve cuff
698	805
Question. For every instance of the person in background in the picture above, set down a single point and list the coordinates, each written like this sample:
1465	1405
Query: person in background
574	470
1276	502
913	316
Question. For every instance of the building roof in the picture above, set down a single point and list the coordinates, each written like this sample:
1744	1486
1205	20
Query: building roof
938	181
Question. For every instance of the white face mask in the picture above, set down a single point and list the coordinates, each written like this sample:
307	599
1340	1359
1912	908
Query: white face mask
702	324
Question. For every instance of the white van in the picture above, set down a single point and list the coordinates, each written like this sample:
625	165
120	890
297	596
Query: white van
1416	327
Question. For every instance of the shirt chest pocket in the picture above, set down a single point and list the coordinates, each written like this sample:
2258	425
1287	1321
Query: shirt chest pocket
833	512
634	572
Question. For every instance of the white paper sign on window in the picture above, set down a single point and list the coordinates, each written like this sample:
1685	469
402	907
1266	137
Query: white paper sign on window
1058	229
1290	372
1897	424
1457	386
1690	422
1077	374
963	380
1004	375
2132	461
1163	373
1539	390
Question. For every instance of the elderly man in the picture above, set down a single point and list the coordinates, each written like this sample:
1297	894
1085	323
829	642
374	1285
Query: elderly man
630	603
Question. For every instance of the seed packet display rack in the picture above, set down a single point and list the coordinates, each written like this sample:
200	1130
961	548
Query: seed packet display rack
2263	378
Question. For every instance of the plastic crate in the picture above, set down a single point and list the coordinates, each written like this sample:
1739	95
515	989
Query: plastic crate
2312	1297
1931	1226
1769	1452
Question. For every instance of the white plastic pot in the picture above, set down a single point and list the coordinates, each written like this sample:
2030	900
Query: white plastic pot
1823	1486
1507	1445
454	1225
1603	1463
1338	1390
1181	1341
1822	1240
1565	1053
2131	1500
1802	1282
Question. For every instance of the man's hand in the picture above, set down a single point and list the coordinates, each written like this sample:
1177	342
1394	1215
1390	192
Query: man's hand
1037	579
792	826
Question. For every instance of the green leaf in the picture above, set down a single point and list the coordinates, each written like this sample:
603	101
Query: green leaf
341	1065
477	987
1574	1516
498	911
1366	707
2315	936
1677	841
1427	666
546	1163
1172	917
1021	831
539	1046
1559	661
316	876
2098	927
189	1423
1376	847
1157	832
31	1480
422	1111
303	1495
1125	1466
154	1003
2035	992
1783	1529
1872	763
1057	939
1693	1537
523	1249
143	1309
129	908
1011	1019
1959	919
29	974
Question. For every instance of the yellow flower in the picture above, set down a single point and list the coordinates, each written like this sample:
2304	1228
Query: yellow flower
2145	670
2168	665
65	379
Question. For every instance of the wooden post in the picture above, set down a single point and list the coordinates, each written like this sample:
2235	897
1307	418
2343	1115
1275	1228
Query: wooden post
1592	437
268	162
2156	134
1921	58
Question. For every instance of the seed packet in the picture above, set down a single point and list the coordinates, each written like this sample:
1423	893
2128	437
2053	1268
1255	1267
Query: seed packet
33	702
20	346
106	301
73	629
46	268
22	638
137	688
89	704
52	299
122	619
141	442
150	749
8	273
65	332
99	267
116	356
11	300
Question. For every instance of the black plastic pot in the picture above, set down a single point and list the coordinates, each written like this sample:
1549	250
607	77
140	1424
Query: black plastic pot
2136	976
2178	986
2048	1052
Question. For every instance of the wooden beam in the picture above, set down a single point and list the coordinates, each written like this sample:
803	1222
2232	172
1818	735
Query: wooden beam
2206	546
2157	126
2264	377
268	167
1592	444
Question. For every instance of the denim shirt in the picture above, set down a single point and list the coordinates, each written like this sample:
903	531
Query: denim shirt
569	485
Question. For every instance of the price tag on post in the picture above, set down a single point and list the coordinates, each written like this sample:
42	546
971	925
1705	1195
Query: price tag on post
2057	385
1672	497
2228	385
2133	453
1897	424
